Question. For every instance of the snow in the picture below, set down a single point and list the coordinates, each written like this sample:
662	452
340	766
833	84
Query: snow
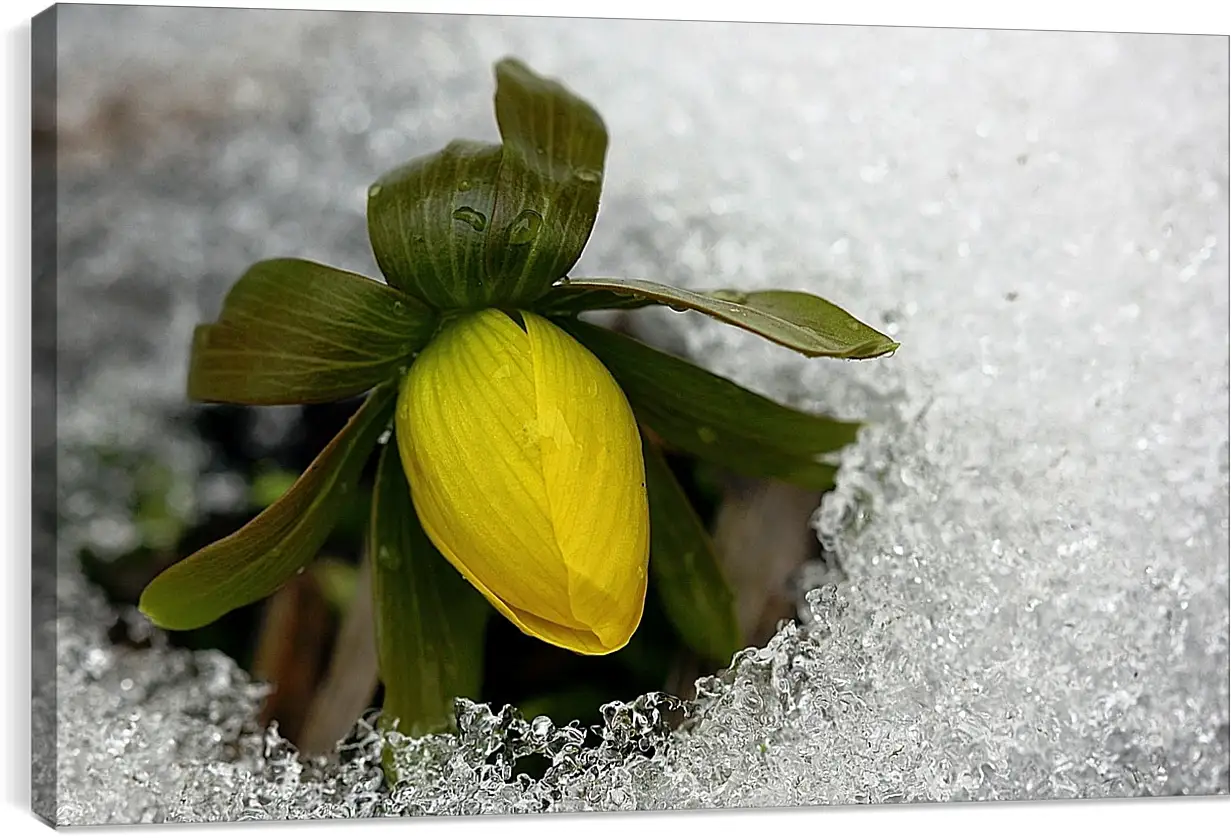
1034	527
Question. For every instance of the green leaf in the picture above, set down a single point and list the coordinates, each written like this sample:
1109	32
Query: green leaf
429	223
555	145
562	299
713	418
795	319
430	622
478	225
255	561
294	332
685	569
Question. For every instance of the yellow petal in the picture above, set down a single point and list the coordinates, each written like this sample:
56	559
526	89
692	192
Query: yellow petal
525	468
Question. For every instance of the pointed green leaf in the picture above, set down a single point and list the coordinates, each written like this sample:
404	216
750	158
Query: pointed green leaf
477	224
430	622
294	332
713	418
255	561
555	145
795	319
685	569
833	326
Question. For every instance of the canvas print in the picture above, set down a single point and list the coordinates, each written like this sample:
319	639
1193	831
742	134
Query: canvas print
453	415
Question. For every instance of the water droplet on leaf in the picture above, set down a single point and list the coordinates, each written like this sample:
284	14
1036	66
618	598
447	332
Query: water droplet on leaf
525	227
471	216
707	435
588	175
388	558
374	190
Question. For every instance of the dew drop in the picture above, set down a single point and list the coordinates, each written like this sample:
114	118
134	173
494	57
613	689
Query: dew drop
398	307
471	216
707	435
387	558
463	186
677	307
374	190
525	227
588	175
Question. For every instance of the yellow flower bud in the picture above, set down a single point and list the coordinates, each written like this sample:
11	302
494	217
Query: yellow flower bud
525	468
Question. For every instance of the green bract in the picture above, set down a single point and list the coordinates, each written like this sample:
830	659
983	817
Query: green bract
545	515
479	225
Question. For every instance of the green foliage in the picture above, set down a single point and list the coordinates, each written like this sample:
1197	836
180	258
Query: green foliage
564	299
295	332
685	568
794	319
255	561
430	221
429	620
477	224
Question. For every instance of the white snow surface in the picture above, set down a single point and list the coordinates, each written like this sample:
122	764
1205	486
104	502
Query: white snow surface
1034	524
